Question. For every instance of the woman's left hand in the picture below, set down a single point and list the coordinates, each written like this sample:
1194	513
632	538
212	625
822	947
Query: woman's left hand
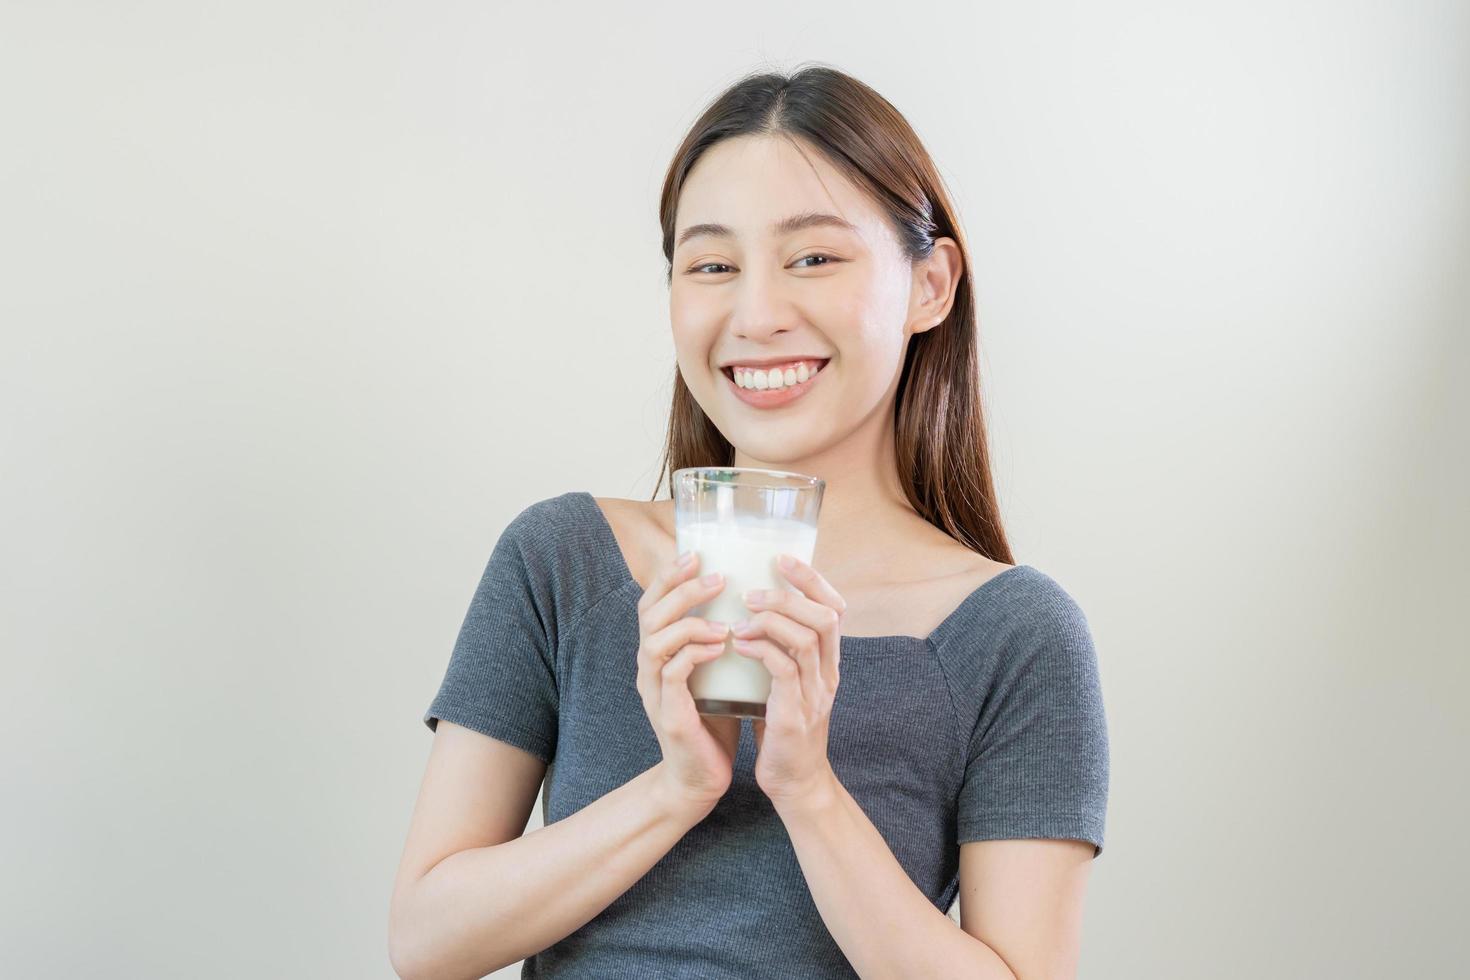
796	635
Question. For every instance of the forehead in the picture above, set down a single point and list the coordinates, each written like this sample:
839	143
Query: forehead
751	182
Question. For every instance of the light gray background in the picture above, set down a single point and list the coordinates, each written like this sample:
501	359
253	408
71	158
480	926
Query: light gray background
301	302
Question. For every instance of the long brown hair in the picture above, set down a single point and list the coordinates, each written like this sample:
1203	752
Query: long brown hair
939	425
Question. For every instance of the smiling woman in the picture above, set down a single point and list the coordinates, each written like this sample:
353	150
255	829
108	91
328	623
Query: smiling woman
821	310
782	243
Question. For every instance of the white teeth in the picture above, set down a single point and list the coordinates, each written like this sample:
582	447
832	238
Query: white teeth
761	380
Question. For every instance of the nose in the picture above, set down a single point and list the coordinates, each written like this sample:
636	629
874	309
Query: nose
761	311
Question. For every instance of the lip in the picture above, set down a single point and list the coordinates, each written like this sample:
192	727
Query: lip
769	398
765	362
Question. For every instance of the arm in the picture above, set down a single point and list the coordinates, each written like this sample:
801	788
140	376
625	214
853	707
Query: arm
1025	898
484	907
1042	749
885	926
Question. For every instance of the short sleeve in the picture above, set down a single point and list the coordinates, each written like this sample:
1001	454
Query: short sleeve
501	679
1037	760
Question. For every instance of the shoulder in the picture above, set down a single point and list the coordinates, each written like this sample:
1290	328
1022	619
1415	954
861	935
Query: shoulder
1041	626
544	518
644	516
532	547
1029	663
1022	626
643	532
565	529
1045	652
1039	605
1012	602
553	560
561	545
628	520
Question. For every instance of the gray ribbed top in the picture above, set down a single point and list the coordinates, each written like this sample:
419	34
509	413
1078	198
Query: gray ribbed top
990	727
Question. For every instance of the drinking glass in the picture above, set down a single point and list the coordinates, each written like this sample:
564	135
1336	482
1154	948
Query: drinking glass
739	519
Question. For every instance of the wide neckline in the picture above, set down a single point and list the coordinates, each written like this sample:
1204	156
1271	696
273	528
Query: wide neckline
621	567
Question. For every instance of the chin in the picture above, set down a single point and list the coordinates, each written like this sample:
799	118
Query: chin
774	453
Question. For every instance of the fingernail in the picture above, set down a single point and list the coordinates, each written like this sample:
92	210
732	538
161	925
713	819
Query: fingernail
686	559
786	562
754	595
711	579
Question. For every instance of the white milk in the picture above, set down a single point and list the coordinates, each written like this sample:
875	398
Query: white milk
743	548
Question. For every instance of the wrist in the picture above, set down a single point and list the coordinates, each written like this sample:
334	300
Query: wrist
819	795
676	801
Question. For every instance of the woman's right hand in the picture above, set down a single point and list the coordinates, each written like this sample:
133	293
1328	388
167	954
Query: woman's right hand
699	750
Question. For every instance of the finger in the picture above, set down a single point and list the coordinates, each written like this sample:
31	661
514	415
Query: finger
810	583
676	702
821	619
802	644
669	576
682	597
656	650
786	693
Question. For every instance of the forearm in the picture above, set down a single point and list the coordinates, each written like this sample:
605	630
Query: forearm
885	926
484	908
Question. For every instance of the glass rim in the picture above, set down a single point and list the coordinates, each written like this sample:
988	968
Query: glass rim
804	478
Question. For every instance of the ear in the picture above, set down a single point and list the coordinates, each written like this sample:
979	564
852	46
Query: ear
935	281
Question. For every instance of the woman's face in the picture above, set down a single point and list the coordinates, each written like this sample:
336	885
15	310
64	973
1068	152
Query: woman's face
757	291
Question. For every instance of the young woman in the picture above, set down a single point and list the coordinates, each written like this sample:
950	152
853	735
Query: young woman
936	723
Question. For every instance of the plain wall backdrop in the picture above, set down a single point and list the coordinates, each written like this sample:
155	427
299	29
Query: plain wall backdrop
302	302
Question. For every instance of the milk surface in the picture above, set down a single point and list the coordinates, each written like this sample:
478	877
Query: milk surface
743	547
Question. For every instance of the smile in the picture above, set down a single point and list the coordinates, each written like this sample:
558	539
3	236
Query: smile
773	397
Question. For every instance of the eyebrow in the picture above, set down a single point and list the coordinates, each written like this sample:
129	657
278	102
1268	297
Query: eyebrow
796	222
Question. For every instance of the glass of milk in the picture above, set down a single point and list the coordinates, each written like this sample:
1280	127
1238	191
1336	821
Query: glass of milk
739	519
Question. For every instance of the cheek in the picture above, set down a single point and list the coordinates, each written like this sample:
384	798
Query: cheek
692	334
861	309
873	349
696	332
680	308
690	311
874	333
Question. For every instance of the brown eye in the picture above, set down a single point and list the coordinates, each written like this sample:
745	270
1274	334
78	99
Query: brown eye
826	260
818	255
